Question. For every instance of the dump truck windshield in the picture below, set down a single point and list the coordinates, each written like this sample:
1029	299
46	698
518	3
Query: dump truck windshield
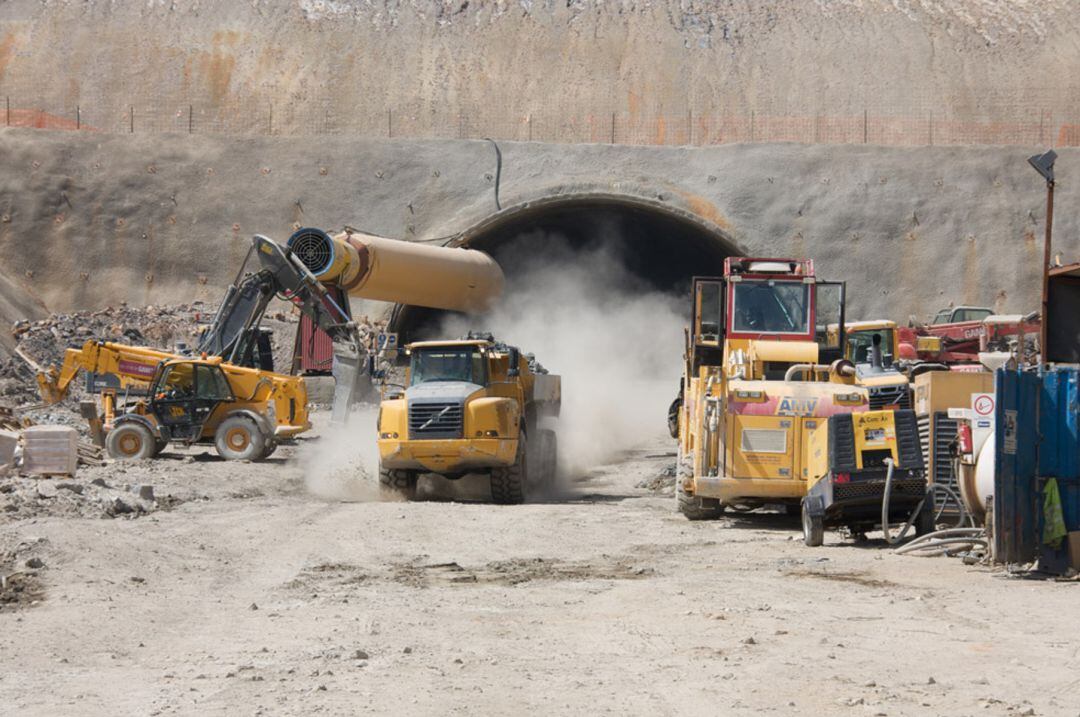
771	307
464	364
860	342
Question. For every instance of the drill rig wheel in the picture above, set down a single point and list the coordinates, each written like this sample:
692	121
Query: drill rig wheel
692	506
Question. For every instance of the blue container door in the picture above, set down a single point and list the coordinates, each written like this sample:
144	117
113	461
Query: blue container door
1016	493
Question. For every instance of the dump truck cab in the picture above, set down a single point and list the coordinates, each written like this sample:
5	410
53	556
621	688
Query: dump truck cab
754	384
470	406
872	346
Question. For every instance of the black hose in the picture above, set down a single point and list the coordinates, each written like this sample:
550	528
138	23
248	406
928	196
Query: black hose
498	170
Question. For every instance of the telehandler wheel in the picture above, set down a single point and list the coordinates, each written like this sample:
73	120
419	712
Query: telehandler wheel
130	442
508	484
692	506
239	439
401	482
271	446
813	528
159	445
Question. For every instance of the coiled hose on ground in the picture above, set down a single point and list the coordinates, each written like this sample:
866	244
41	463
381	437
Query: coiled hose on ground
941	542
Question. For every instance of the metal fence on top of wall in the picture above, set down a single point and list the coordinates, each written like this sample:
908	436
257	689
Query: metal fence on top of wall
256	116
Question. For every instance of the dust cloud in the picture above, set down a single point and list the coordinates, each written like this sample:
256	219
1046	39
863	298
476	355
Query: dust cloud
616	342
343	462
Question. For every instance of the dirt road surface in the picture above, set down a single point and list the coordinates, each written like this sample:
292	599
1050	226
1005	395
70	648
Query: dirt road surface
244	594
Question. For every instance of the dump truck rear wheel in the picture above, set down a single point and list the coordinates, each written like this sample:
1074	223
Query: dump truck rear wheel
401	482
130	442
813	528
239	439
692	506
545	459
508	484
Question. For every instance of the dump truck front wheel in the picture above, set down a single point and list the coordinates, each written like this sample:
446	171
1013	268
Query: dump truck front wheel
692	506
130	442
239	439
813	528
401	482
508	484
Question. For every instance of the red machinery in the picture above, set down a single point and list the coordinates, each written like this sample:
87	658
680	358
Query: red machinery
959	335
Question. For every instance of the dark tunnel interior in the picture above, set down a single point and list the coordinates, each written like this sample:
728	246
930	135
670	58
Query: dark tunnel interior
661	249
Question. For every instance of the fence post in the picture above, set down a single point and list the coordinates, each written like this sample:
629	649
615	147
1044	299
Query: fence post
78	117
190	119
864	126
613	128
131	119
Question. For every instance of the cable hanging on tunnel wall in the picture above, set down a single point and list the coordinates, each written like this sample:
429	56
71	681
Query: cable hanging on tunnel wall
498	170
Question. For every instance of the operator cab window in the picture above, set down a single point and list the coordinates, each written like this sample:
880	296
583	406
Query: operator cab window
710	312
771	307
466	364
177	382
211	384
860	343
943	317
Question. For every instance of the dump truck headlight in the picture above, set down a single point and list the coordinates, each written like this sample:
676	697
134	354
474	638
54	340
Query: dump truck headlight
388	434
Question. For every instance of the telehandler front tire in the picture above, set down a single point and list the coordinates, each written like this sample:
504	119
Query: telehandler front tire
691	506
402	483
130	442
508	484
239	439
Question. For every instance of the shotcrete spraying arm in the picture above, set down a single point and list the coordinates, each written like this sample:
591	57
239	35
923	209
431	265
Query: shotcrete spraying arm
245	303
280	273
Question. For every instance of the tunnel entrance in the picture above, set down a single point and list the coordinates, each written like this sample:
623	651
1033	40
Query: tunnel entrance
655	246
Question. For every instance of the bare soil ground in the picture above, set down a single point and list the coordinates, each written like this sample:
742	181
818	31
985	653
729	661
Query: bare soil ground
234	591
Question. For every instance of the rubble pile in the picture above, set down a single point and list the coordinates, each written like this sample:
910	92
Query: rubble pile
44	342
24	497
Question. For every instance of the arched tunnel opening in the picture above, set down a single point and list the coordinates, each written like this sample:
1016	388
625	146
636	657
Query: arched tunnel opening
599	291
650	248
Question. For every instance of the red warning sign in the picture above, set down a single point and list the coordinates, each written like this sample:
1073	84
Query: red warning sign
983	404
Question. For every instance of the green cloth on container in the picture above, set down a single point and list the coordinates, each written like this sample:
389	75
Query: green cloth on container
1053	519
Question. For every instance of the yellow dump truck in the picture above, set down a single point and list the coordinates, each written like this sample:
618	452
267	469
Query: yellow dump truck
753	388
470	406
243	412
872	346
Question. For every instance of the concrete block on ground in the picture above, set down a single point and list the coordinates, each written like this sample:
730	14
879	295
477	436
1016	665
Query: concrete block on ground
50	450
8	441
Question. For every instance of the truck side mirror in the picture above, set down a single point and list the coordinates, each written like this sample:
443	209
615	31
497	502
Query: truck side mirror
515	359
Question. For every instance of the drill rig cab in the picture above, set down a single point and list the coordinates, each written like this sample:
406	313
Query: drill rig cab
755	383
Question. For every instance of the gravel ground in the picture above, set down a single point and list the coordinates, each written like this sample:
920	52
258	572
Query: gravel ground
250	596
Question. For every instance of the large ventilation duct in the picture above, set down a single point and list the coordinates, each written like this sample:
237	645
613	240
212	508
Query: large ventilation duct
371	267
